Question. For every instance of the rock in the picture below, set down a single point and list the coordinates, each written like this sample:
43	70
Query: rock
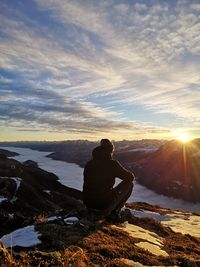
2	156
30	163
5	153
7	187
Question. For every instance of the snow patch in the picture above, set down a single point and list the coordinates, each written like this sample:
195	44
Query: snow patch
178	183
154	249
182	222
185	224
132	263
23	237
18	182
149	240
145	150
47	191
71	220
53	218
149	214
2	198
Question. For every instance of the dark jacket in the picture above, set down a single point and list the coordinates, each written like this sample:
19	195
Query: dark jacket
99	178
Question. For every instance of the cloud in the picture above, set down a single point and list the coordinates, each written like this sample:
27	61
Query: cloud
56	69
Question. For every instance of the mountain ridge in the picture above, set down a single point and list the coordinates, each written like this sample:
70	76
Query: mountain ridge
37	208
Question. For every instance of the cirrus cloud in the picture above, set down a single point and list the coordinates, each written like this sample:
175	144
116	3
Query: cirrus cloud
84	66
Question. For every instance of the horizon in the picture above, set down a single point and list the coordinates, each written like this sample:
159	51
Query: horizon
86	70
98	140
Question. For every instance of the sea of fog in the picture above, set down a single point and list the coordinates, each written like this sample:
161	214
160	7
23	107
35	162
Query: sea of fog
71	175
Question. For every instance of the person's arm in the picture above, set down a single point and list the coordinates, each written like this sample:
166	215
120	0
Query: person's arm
123	173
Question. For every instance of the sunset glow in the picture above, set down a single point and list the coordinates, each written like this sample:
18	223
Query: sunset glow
91	69
184	138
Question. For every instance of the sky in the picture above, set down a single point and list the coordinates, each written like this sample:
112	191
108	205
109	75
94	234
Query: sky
118	69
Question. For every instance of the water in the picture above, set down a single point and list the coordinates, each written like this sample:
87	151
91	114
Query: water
71	175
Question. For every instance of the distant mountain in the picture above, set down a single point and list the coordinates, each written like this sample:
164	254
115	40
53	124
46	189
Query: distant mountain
172	170
80	151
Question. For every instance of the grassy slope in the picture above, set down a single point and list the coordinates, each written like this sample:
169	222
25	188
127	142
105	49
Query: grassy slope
102	245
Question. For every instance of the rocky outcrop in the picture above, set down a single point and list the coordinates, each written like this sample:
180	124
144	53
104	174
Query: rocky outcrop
30	163
26	191
4	152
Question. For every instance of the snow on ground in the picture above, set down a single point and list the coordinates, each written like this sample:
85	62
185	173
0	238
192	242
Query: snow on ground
71	220
149	240
47	191
182	222
132	263
23	237
67	220
143	149
18	182
148	214
52	218
2	198
71	175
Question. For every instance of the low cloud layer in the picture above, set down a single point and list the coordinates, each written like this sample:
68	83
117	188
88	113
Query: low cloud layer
100	67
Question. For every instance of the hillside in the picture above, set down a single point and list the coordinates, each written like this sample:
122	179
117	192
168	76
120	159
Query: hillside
172	170
44	223
166	167
151	236
27	191
169	168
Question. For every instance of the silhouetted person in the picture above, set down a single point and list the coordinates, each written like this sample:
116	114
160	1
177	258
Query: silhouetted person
99	179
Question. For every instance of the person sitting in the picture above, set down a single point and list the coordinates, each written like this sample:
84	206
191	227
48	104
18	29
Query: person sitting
99	192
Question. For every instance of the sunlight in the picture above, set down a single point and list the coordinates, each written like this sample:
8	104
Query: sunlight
183	138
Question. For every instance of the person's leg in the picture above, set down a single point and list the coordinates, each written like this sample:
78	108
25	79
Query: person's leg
120	194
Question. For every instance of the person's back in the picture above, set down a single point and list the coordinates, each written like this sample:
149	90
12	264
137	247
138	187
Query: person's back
99	178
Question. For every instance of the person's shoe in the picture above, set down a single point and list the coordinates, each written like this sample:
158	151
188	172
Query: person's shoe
114	217
125	214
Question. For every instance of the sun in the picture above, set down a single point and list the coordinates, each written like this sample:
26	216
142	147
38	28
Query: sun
183	138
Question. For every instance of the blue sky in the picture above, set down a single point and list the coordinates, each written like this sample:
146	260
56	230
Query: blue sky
91	69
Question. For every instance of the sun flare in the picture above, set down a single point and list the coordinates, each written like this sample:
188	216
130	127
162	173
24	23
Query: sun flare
183	138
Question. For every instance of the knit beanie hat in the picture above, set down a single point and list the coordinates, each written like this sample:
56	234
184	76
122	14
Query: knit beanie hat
108	145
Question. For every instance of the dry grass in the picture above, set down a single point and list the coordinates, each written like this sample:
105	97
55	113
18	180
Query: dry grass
101	245
6	259
40	219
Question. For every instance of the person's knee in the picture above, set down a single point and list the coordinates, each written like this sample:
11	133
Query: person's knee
127	187
129	183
